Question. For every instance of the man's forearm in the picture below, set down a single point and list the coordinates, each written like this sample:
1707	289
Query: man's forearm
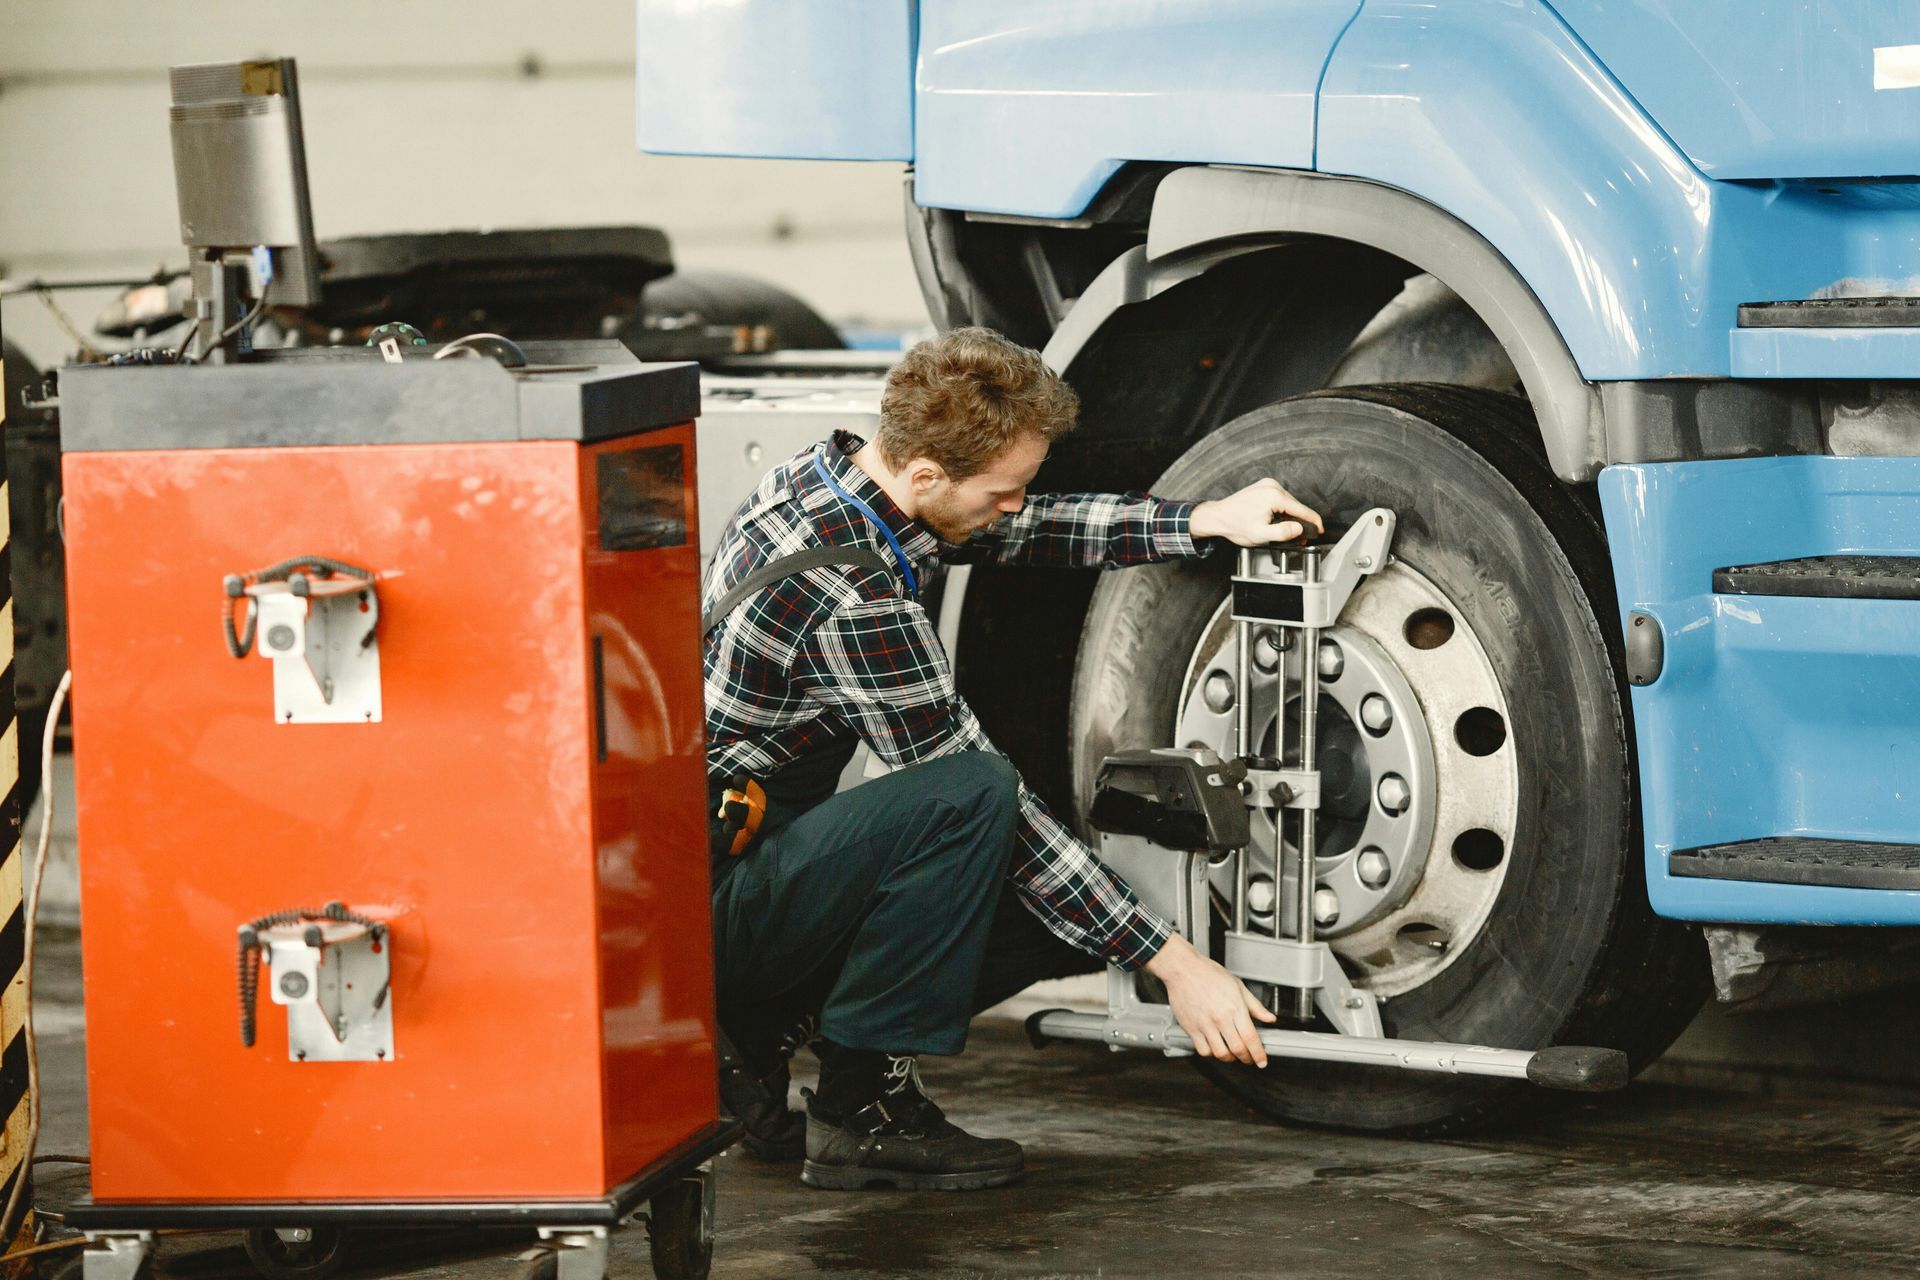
1079	898
1089	530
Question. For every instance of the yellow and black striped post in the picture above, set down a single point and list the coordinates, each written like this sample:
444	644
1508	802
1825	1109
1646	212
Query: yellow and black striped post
13	936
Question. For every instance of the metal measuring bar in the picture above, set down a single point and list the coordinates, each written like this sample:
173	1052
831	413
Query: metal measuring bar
1575	1067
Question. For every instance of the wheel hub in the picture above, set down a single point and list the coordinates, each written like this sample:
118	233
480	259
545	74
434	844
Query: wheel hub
1417	778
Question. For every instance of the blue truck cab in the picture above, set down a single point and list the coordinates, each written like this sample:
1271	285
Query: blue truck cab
1617	303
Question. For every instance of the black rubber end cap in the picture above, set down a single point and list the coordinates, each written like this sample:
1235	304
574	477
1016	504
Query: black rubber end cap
1572	1066
1035	1036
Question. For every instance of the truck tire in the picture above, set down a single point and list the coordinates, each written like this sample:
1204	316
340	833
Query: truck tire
728	298
1509	570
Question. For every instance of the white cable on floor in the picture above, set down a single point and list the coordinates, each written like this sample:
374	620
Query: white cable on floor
8	1224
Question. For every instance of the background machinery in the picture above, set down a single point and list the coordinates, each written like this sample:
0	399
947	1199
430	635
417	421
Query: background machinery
419	821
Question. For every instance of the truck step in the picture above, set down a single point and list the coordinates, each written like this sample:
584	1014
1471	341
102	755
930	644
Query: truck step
1848	864
1832	313
1847	577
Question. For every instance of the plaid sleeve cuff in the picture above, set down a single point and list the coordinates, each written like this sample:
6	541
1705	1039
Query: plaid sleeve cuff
1138	939
1173	531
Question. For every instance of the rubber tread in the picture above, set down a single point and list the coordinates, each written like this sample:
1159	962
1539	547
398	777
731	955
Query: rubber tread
1646	955
1848	864
1827	577
1831	313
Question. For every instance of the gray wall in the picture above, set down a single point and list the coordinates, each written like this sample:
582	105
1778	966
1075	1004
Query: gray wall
418	116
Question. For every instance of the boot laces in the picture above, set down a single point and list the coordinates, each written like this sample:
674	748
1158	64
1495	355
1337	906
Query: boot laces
800	1035
903	1073
907	1101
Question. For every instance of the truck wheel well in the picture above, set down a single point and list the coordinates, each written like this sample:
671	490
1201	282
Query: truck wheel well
1274	323
1157	376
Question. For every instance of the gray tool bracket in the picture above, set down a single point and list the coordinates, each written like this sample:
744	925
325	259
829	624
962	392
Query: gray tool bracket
1303	590
1309	586
1283	788
335	980
325	650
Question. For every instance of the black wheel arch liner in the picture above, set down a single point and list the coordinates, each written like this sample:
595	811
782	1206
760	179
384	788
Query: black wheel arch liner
1204	216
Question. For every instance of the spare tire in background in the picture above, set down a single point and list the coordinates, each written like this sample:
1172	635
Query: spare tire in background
1566	949
723	298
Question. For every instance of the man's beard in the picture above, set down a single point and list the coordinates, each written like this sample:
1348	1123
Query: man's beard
947	523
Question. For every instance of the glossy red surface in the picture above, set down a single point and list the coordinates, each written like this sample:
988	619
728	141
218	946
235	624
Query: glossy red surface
552	985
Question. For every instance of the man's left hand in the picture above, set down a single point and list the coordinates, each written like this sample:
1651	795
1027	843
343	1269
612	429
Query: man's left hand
1259	514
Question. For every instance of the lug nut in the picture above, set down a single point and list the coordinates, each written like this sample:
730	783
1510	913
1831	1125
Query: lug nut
1267	647
1260	895
1394	794
1376	714
1332	660
1326	906
1373	869
1219	692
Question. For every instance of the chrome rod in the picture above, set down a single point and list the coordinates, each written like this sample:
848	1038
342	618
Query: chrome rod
1243	661
1309	761
1242	731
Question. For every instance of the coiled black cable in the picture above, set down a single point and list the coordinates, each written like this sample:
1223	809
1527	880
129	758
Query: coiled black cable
240	639
326	564
251	950
239	643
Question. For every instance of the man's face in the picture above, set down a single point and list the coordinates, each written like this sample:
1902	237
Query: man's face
957	511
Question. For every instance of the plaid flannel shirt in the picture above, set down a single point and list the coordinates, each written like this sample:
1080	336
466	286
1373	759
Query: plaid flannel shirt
842	650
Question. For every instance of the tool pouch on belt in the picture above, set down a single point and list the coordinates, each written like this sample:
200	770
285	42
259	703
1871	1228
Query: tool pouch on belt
745	811
736	820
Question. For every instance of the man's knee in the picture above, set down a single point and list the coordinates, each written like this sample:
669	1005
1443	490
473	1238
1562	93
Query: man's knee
975	790
980	782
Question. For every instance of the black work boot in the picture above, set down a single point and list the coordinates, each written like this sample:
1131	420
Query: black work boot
901	1139
758	1098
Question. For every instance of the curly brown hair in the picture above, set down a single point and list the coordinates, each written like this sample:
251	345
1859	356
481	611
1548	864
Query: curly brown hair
962	398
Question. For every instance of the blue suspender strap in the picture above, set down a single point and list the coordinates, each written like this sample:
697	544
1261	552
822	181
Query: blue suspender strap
906	566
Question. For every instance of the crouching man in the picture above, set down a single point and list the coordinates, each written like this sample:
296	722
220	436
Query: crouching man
882	918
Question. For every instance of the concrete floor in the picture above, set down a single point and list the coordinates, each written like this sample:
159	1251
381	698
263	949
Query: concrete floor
1139	1168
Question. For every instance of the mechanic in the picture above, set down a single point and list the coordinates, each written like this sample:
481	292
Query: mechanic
883	917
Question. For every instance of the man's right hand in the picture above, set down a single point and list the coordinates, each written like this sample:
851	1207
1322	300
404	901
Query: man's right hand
1253	517
1212	1006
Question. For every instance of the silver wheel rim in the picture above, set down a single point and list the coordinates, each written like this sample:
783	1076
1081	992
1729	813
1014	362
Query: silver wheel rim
1413	870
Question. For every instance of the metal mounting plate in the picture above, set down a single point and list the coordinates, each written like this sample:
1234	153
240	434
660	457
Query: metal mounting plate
325	651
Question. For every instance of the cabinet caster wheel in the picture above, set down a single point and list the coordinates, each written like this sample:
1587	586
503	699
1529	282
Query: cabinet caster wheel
297	1253
680	1228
